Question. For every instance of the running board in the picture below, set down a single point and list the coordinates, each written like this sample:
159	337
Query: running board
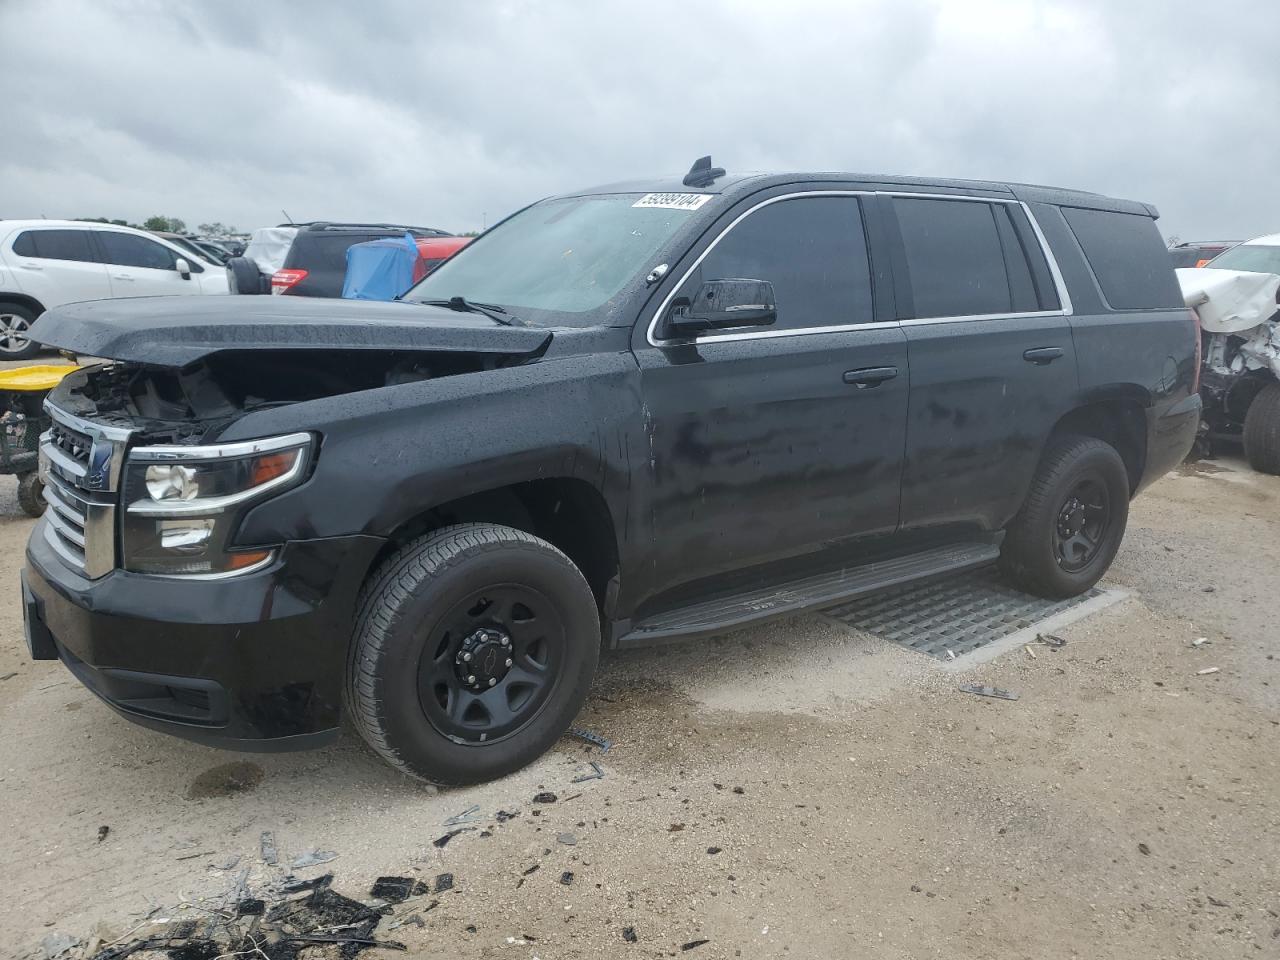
709	617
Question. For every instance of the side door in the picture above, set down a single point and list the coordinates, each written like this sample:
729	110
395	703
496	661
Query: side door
57	266
766	443
142	267
993	364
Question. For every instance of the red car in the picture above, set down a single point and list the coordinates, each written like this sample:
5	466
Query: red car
435	251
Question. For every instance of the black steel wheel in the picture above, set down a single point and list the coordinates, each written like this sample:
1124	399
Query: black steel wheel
1070	526
474	649
1083	521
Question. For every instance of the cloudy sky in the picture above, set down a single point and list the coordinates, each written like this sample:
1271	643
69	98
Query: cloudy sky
452	115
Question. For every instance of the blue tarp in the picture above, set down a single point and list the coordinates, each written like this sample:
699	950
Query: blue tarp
380	269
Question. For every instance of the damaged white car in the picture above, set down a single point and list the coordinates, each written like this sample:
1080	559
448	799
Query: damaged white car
1237	297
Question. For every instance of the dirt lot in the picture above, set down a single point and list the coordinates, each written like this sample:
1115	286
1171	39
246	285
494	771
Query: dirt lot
796	790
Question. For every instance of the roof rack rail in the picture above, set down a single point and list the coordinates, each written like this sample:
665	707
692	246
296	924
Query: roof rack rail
334	225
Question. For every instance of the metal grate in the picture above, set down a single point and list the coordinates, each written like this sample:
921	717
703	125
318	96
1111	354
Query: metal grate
960	614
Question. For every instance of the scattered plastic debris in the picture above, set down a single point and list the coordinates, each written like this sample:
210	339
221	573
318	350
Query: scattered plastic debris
396	889
228	863
443	882
312	858
469	815
568	839
56	944
712	851
567	878
1051	641
251	907
502	816
414	920
592	738
440	842
545	798
102	832
533	869
950	653
1144	850
267	848
739	791
597	773
1199	641
982	690
693	944
1030	653
629	935
1206	671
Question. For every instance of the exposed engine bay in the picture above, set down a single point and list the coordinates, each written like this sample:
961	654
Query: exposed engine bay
186	405
1240	336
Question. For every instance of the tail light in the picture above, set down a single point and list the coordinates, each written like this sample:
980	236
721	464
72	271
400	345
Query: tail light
1195	326
282	281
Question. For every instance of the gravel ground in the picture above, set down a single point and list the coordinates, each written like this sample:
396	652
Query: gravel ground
794	790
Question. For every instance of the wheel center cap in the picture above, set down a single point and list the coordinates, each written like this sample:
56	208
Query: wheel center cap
483	659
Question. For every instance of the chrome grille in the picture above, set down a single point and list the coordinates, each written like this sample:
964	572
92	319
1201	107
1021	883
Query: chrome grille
80	466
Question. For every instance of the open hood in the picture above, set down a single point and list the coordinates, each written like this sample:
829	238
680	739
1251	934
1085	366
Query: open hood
178	331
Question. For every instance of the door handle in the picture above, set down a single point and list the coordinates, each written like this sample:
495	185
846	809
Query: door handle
869	376
1042	356
122	276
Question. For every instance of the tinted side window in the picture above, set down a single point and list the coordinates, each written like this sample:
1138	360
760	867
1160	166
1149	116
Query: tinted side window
126	250
956	259
322	252
55	245
1127	256
814	252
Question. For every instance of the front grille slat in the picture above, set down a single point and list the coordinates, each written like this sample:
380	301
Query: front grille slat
80	467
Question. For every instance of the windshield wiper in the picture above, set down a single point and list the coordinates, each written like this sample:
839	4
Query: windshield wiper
491	310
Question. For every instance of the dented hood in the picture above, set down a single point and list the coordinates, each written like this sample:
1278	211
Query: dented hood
1229	301
177	331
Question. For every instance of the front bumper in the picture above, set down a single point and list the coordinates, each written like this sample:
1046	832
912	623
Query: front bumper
249	663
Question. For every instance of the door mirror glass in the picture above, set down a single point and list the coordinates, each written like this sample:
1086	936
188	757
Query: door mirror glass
720	304
183	268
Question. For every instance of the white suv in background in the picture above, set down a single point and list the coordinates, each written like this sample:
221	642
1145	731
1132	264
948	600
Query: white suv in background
46	263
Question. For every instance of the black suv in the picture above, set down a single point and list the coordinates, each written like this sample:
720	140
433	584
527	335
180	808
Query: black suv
645	412
307	259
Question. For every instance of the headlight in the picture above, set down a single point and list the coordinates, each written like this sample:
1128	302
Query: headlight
184	504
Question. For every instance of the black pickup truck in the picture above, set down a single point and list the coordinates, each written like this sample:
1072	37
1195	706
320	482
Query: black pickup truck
632	414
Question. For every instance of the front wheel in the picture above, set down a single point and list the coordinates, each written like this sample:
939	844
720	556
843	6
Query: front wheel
1262	430
474	649
31	494
1069	528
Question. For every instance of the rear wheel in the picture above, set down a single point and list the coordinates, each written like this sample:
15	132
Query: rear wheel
1069	528
1262	430
31	494
243	276
15	332
474	649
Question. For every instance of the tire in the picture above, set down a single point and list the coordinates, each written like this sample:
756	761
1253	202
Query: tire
407	688
31	494
15	325
1041	554
1262	430
243	276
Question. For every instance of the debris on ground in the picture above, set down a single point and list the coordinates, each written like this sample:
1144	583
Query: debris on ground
545	797
983	690
102	832
597	773
1199	641
692	944
568	839
533	869
1030	653
1051	641
440	842
1144	850
312	858
502	816
1206	671
592	738
469	815
251	907
414	920
56	944
950	654
443	882
739	791
226	863
567	878
267	848
629	934
396	889
712	851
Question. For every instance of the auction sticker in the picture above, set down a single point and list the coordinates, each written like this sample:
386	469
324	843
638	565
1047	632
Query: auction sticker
673	201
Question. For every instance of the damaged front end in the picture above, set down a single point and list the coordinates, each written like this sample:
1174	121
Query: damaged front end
1240	334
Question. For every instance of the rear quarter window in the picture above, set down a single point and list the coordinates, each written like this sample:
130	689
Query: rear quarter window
1128	258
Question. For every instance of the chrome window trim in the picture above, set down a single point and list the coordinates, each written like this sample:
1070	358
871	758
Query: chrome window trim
166	453
1064	298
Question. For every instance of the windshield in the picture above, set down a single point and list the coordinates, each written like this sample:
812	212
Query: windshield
562	256
1249	257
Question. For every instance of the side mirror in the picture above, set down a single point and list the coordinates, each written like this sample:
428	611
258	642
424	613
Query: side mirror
183	268
720	304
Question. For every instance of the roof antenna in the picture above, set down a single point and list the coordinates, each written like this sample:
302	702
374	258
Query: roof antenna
288	219
702	173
